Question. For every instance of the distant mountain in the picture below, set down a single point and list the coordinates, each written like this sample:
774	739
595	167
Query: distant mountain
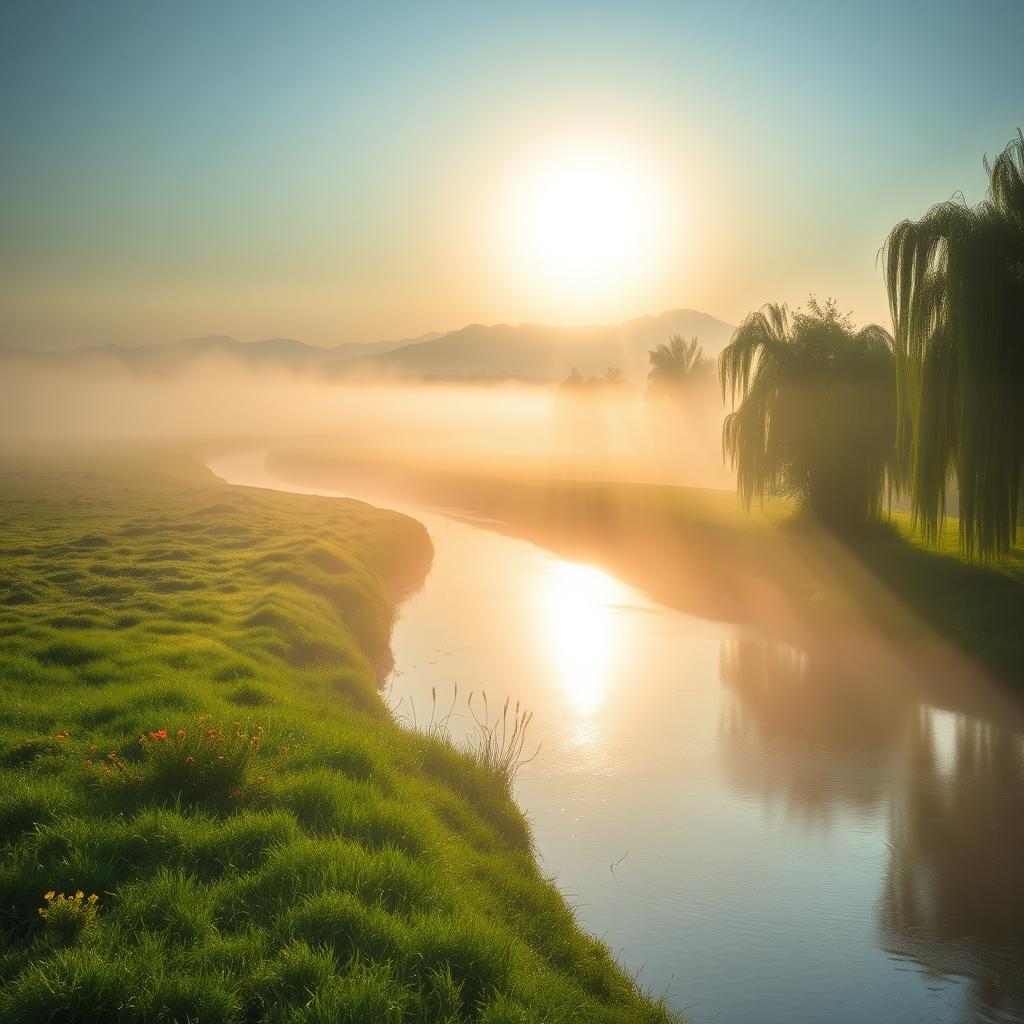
537	352
175	356
524	352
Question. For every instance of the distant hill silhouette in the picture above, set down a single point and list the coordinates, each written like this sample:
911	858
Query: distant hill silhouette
525	352
539	352
174	356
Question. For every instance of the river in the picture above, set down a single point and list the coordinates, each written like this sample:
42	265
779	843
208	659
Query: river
757	835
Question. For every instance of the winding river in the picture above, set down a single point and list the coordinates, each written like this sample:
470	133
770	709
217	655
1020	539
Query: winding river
756	837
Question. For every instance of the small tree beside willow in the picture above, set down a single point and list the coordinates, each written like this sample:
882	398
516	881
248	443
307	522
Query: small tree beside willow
956	289
676	368
816	412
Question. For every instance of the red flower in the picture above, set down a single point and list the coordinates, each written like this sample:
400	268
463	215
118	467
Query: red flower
181	734
237	793
160	734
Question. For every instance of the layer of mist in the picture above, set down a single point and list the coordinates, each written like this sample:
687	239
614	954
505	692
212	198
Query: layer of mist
606	430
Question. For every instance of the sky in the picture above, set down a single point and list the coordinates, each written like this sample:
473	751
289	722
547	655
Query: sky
336	172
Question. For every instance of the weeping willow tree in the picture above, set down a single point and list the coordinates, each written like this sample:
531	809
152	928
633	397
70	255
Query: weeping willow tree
816	419
956	289
676	367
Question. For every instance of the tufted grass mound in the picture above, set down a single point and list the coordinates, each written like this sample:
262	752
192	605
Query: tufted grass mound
190	729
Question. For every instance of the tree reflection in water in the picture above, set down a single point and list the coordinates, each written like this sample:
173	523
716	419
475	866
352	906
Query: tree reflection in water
806	737
954	895
819	738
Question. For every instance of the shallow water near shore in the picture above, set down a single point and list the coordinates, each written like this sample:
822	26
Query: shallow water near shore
763	834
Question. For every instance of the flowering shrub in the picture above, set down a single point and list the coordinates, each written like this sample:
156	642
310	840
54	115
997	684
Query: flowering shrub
68	918
203	763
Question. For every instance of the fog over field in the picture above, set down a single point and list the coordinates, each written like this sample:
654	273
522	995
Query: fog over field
602	428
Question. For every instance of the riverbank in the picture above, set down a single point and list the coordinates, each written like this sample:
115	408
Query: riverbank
674	745
699	551
191	730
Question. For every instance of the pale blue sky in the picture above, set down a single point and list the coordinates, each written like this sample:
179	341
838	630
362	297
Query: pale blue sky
331	172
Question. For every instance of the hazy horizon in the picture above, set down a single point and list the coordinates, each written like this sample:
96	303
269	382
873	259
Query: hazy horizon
427	333
264	172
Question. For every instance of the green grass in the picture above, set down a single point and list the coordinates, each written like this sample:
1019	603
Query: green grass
701	551
333	866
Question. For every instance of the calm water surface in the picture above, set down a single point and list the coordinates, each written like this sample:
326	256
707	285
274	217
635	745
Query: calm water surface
766	836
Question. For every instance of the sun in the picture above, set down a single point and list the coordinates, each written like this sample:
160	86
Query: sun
586	220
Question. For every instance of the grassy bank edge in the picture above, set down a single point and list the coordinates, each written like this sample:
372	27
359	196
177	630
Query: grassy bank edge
351	871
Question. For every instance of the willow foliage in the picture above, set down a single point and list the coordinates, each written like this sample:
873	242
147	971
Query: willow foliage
816	418
956	289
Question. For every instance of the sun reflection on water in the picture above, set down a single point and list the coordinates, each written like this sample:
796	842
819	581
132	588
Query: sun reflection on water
580	630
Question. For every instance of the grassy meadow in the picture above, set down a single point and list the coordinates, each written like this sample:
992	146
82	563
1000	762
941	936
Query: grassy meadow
702	551
191	732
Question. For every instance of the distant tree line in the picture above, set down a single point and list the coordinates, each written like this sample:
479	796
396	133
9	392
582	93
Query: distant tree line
576	383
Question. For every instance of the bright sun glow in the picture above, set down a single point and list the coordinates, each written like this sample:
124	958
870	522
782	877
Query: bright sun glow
586	220
580	630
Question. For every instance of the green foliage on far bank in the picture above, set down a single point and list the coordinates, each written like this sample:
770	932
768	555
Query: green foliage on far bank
956	290
190	730
816	413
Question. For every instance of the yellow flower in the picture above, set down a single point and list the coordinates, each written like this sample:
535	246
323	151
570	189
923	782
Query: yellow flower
49	895
79	895
93	898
